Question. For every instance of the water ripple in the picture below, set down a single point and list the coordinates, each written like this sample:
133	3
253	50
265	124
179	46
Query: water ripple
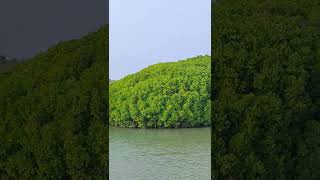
161	154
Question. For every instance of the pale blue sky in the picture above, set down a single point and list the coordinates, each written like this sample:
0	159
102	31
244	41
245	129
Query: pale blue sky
145	32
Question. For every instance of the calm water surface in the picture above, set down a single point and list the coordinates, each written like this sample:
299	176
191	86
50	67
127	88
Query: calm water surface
159	154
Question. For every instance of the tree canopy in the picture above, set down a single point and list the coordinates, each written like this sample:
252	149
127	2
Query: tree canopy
175	94
53	113
266	89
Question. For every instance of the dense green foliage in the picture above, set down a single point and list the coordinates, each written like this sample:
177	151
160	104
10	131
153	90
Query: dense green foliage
164	95
53	111
266	74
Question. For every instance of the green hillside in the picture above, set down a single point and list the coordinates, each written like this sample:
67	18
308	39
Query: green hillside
266	59
53	111
7	65
166	95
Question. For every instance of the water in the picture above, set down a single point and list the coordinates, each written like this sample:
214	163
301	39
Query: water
159	154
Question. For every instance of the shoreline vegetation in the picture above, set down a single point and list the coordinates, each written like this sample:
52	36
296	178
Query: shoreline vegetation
164	95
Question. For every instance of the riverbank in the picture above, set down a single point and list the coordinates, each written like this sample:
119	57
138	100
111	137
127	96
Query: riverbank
179	127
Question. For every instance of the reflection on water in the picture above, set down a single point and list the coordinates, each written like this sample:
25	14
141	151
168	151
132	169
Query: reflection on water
159	154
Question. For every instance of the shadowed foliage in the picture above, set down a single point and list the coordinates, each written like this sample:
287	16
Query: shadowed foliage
53	113
266	92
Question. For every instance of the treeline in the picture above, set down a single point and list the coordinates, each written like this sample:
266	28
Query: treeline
53	113
266	91
164	95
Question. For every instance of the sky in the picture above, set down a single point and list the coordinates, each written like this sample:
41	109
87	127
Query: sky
30	26
144	32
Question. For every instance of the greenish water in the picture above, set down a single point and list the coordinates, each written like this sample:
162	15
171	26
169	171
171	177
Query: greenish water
159	154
